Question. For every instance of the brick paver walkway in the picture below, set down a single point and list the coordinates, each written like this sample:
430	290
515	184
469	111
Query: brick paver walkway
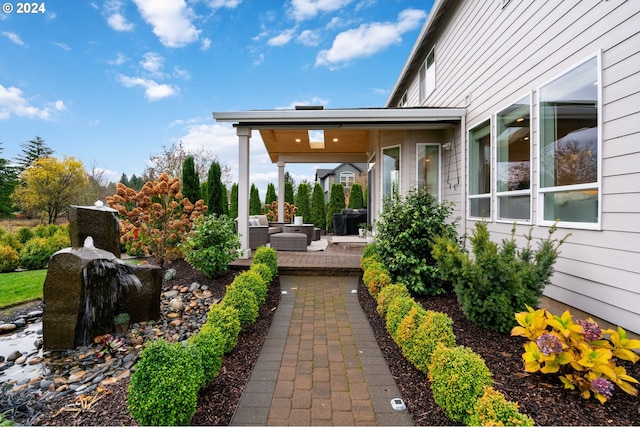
320	363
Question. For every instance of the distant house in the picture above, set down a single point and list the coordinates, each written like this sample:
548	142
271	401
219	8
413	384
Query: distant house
517	112
345	173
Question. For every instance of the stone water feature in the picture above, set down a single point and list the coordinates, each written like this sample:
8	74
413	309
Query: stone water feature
87	284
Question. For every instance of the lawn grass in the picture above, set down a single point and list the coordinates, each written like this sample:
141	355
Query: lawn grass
19	287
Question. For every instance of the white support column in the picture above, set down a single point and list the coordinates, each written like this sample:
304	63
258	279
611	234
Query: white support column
244	135
281	191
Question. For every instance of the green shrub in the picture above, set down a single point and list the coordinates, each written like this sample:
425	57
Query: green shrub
212	245
388	294
11	239
210	343
164	386
398	309
253	282
24	234
36	252
243	300
435	329
370	250
225	318
264	271
492	409
405	234
336	203
9	259
409	324
356	197
457	376
497	281
366	262
375	277
267	256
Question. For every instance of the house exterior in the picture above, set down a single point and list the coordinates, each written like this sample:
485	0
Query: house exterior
516	112
345	173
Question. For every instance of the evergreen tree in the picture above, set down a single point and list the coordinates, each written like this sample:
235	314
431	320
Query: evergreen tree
303	203
356	198
271	194
214	185
255	206
225	199
190	180
32	151
8	182
136	182
336	203
233	209
204	192
288	192
124	180
318	215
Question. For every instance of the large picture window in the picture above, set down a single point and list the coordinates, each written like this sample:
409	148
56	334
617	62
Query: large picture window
569	146
513	162
480	171
428	168
390	170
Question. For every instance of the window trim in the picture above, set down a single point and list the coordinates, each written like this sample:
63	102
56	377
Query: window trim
566	188
439	146
423	76
346	182
468	161
497	194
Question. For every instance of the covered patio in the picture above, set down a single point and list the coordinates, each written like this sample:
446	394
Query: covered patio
312	134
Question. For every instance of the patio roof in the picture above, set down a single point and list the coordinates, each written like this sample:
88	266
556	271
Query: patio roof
285	133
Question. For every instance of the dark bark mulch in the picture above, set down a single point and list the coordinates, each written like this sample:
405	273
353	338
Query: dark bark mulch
542	397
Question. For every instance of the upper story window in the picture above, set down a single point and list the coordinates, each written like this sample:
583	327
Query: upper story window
427	76
347	178
569	145
403	100
513	162
480	171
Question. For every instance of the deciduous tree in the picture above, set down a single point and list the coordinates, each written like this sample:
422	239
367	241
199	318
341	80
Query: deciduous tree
50	185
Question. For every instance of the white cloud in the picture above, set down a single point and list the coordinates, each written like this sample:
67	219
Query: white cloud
206	44
120	59
115	19
153	63
316	100
171	21
306	9
13	37
153	90
281	39
217	4
181	73
309	38
368	39
62	46
13	102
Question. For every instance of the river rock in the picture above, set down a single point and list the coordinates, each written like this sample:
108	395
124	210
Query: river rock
7	327
21	360
13	356
171	294
176	305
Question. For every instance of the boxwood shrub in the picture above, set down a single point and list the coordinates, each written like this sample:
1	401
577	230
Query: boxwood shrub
388	294
267	256
398	308
492	409
253	282
434	329
243	300
226	319
210	343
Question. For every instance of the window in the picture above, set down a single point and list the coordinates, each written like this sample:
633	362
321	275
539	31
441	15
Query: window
513	162
480	171
428	168
347	178
569	146
427	77
390	170
403	100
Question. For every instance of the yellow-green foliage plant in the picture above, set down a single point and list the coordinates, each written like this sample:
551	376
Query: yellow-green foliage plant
492	409
397	310
434	329
388	294
375	277
243	300
227	320
210	343
252	281
580	353
9	259
458	377
267	256
409	324
264	271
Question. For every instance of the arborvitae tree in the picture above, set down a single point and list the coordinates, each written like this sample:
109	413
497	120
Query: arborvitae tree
225	199
214	185
233	209
31	151
318	215
336	203
356	200
190	180
303	203
255	206
204	192
271	194
288	193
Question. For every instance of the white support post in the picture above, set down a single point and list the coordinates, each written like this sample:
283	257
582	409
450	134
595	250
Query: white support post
244	135
281	191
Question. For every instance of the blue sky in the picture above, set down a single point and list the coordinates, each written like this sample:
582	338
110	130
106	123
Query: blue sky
112	82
